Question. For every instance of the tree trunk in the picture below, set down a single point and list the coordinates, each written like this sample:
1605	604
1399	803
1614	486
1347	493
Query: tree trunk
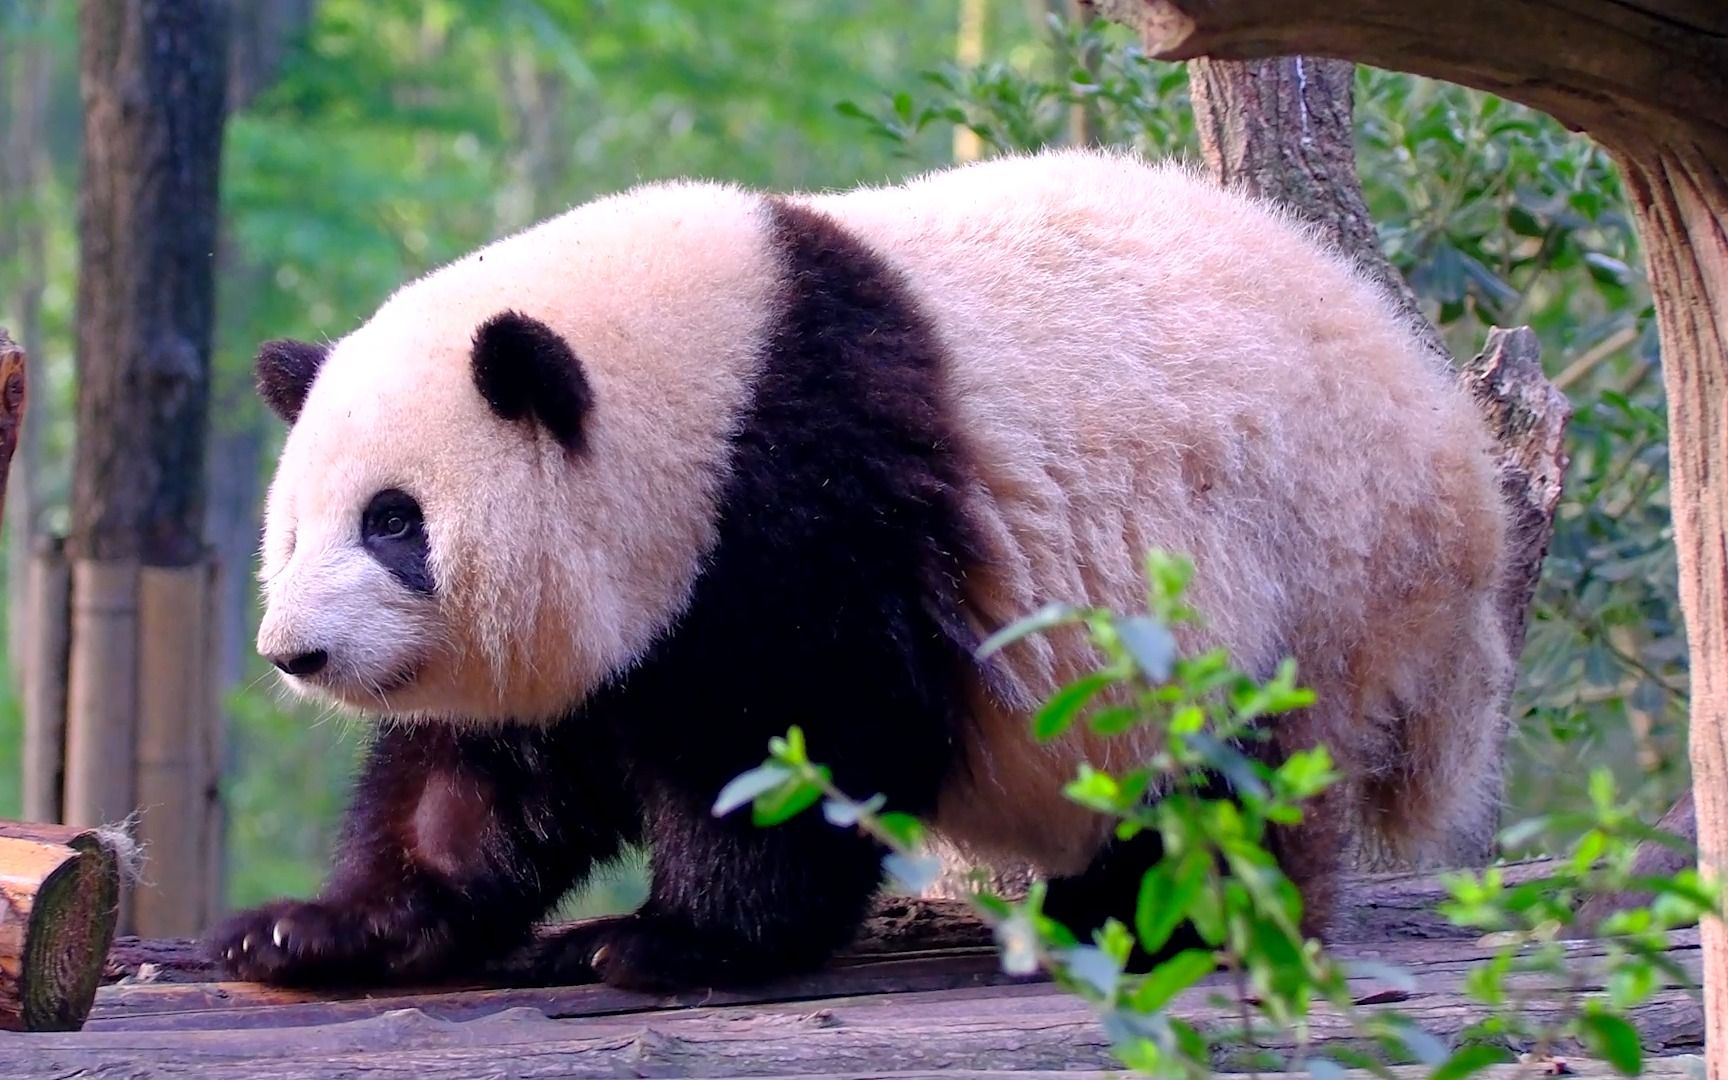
1680	195
1284	129
1646	78
153	74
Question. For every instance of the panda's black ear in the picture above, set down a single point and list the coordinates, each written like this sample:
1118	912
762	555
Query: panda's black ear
284	371
526	371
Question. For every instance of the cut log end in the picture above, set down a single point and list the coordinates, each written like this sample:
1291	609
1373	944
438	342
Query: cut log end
59	896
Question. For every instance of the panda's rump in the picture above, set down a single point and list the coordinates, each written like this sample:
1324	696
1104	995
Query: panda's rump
1137	359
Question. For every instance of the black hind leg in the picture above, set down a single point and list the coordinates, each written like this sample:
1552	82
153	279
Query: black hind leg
730	904
1110	888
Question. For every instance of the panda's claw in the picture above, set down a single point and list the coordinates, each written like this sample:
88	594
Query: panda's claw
279	933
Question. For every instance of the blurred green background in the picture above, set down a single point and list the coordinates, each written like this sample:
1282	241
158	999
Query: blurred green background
377	138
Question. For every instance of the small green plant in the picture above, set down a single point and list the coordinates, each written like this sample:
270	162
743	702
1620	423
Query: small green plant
1217	878
1532	985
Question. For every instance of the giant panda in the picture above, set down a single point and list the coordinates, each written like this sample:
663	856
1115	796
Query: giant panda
585	517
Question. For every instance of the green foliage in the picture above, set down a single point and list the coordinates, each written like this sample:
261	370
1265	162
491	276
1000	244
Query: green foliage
1029	101
1217	876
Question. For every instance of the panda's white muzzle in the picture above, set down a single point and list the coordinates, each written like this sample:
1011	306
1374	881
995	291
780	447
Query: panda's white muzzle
338	625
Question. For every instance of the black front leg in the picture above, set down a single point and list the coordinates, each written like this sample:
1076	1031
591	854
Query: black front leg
730	904
454	845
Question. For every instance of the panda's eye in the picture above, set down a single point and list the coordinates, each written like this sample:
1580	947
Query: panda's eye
392	515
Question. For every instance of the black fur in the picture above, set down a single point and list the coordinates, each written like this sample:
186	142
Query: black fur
527	372
284	371
832	601
393	530
454	844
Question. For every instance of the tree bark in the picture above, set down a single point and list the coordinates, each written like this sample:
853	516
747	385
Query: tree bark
1652	860
1283	129
1646	78
153	74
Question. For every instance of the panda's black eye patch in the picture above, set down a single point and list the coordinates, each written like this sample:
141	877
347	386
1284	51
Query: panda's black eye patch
393	530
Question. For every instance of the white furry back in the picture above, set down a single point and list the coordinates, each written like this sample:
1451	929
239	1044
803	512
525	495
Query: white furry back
1143	360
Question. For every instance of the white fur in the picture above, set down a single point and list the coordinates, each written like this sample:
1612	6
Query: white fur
1137	359
1140	359
551	575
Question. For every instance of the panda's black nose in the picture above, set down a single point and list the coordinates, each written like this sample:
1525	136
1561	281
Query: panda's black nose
306	663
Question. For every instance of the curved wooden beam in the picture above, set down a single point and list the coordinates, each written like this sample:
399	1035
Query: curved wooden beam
1601	65
1648	79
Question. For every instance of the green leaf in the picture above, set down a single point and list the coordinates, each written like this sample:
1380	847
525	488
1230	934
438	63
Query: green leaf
1613	1040
1050	615
1469	1060
747	786
1172	977
1017	940
1166	894
905	830
791	749
1094	789
1631	984
844	812
1094	967
1114	720
785	802
1324	1069
1151	645
1058	713
915	873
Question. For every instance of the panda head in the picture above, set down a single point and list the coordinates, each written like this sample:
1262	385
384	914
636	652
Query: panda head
410	565
498	492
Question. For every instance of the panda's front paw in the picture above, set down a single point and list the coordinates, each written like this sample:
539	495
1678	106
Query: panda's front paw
313	943
652	954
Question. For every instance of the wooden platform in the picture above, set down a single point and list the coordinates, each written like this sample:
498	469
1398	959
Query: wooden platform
921	994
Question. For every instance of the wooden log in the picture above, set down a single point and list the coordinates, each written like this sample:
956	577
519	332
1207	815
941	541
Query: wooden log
1375	908
173	774
521	1044
59	891
874	1027
1652	860
45	653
